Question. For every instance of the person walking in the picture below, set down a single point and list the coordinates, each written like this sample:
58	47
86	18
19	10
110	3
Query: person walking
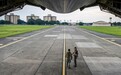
75	55
69	58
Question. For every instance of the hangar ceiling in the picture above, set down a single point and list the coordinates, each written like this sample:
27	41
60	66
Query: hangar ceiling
62	6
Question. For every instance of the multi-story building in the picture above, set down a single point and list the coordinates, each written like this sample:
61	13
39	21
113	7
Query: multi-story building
32	17
12	18
50	18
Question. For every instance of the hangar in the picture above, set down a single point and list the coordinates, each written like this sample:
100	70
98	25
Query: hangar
101	23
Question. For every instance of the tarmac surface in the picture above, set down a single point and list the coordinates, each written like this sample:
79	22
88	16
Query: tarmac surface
41	53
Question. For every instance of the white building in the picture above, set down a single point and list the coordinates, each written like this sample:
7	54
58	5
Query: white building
32	17
101	23
12	18
50	18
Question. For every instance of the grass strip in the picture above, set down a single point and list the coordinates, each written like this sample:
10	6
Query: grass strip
10	30
115	30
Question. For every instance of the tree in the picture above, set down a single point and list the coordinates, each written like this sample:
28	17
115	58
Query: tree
81	23
51	22
31	22
5	22
64	23
19	21
40	22
2	21
116	23
58	22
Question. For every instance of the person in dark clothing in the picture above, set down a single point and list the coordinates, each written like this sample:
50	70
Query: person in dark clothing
69	58
75	55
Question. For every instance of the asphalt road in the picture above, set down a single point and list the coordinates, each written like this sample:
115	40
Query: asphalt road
41	53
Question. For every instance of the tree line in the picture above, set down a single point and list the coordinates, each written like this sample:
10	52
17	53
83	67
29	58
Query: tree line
42	22
35	22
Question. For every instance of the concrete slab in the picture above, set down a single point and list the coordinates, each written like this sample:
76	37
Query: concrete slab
50	35
72	30
60	36
14	60
79	37
104	65
43	56
57	31
69	36
68	29
14	38
87	45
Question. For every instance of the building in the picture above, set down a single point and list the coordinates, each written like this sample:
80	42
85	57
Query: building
12	18
50	18
32	17
101	23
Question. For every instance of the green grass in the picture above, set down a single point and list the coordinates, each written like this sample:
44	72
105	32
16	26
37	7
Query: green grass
105	29
10	30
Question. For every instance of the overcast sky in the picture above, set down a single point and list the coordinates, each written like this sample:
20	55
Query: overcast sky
91	14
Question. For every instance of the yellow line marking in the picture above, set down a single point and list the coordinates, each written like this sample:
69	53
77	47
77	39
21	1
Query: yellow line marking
103	39
64	59
23	39
108	40
112	38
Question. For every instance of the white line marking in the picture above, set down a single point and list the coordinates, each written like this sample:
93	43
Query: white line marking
87	45
24	38
112	38
79	37
103	39
50	35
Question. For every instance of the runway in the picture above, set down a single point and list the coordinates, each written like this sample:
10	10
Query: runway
42	53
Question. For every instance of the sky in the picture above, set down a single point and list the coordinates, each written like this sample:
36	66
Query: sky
91	14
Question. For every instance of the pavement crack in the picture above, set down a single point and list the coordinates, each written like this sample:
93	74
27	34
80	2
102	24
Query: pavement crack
44	57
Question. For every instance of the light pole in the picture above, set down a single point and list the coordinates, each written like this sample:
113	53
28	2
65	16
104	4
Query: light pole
77	22
111	21
70	22
59	22
64	22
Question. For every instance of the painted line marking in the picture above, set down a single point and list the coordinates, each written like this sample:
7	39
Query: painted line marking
103	39
87	45
50	35
24	38
79	37
69	36
112	38
64	58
